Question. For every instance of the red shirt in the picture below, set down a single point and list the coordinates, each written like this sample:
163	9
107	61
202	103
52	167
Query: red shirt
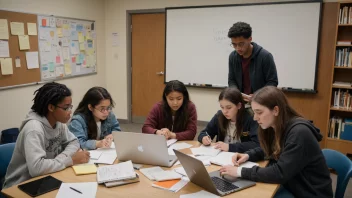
154	122
245	76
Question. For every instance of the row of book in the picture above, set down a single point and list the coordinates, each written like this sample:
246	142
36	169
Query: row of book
342	99
336	127
345	15
343	57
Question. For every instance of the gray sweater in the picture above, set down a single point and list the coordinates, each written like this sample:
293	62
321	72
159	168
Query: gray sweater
40	149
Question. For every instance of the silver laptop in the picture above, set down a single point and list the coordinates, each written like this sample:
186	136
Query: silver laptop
212	181
142	148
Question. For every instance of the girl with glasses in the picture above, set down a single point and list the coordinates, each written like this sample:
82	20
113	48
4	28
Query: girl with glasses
93	121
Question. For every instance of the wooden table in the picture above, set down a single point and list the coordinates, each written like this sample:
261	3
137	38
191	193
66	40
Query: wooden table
144	187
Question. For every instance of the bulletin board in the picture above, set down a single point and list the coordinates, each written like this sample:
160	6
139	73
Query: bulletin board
20	72
67	47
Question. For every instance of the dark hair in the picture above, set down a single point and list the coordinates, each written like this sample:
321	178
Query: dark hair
93	97
50	93
181	115
270	139
234	96
240	29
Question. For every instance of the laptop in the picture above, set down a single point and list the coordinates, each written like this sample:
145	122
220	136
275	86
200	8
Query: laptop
142	148
212	181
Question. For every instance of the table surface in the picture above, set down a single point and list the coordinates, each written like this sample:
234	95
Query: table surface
144	187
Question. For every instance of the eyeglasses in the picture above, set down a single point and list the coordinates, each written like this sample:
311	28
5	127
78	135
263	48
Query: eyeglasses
69	108
102	110
240	45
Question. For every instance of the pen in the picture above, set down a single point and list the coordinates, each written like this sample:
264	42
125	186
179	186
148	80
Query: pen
208	134
76	190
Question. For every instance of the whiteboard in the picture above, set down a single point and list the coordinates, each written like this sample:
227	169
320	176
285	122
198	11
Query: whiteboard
67	47
198	49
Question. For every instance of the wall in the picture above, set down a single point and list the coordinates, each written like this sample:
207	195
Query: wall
116	57
15	103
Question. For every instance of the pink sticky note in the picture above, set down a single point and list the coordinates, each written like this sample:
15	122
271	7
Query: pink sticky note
58	59
73	59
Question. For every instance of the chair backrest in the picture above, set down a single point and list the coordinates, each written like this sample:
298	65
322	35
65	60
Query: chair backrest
343	166
6	151
9	135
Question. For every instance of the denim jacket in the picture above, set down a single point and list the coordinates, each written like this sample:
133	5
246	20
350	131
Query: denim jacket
78	126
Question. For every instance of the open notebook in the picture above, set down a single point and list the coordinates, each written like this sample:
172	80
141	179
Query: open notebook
116	172
205	150
225	158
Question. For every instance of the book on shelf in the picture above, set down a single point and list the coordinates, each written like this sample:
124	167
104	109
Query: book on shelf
345	15
342	84
340	128
342	99
344	43
343	57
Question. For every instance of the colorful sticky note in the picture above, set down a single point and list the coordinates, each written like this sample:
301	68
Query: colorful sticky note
80	37
51	67
58	60
68	69
44	22
90	43
82	47
59	32
78	59
24	42
73	59
6	66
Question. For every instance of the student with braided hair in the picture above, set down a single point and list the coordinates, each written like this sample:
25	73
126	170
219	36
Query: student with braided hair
45	145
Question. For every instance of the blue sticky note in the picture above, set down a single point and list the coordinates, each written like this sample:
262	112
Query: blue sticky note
81	57
79	27
74	36
44	67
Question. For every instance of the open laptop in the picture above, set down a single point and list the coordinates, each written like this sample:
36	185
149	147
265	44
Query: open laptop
142	148
212	181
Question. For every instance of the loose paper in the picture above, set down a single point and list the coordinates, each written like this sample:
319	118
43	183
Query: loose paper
32	28
17	28
114	39
59	71
4	30
51	66
4	49
68	70
66	53
74	47
59	32
32	60
80	37
6	66
18	61
82	47
24	42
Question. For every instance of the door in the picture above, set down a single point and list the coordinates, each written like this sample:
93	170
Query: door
148	59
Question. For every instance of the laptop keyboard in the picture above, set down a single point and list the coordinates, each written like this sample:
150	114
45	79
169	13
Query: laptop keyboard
223	185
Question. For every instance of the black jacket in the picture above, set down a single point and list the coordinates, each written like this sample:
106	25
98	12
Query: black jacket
301	167
249	139
262	69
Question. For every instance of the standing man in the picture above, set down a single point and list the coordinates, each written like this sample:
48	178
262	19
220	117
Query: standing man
251	67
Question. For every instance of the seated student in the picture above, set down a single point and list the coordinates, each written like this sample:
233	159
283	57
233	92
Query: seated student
175	117
44	144
234	127
93	120
291	141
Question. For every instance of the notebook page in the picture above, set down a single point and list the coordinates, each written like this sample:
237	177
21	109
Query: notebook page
166	175
87	189
120	171
148	172
205	150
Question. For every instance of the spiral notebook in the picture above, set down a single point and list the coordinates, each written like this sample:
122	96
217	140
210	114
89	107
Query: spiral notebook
116	172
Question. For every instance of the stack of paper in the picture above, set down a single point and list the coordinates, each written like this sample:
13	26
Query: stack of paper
171	185
205	150
158	174
122	182
84	190
117	172
200	194
178	146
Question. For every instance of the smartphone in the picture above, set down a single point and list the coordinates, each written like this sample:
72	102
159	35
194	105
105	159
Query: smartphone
40	186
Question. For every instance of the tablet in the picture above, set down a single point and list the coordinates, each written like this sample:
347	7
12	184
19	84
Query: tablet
40	186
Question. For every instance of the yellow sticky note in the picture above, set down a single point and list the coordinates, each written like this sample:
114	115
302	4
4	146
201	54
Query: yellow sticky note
4	30
32	28
59	32
80	37
84	169
82	47
6	66
88	35
68	69
66	26
17	28
24	42
90	51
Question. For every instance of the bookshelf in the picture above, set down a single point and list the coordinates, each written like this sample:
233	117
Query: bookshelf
341	96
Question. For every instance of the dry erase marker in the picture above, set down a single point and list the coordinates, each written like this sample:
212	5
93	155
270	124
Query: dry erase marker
76	190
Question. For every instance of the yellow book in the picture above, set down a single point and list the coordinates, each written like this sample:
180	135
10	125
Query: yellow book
85	169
